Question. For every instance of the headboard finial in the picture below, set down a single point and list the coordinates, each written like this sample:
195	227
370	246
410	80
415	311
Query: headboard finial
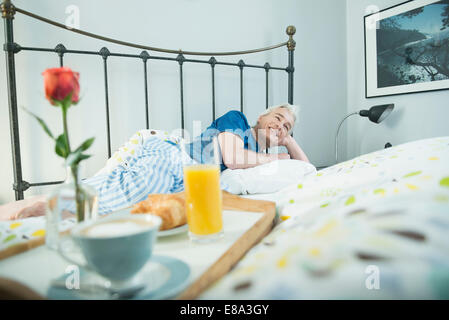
291	44
8	9
291	30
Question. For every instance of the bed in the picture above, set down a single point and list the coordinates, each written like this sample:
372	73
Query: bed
372	227
20	231
239	61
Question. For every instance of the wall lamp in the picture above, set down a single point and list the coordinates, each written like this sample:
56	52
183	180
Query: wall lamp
375	114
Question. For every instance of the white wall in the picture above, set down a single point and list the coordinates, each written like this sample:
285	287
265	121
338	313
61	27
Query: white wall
416	116
197	25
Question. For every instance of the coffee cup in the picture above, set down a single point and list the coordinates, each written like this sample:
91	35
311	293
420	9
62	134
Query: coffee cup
115	247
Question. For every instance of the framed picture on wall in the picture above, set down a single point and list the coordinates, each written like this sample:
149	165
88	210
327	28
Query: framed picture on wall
407	48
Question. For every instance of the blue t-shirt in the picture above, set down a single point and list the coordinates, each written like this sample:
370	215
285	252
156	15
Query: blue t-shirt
234	122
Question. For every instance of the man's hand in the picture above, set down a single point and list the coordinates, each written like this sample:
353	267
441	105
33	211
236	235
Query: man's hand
286	141
31	207
235	156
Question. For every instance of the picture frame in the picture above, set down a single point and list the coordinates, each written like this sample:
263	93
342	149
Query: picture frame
407	48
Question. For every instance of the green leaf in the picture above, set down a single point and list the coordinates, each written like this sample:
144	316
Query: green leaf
41	122
61	147
75	158
85	156
85	145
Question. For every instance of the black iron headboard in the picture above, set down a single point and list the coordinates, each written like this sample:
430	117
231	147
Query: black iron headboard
11	49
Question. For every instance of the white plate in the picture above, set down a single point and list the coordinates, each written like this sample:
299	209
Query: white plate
170	232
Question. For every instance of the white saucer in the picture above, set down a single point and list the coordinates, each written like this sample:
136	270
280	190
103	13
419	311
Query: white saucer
164	277
170	232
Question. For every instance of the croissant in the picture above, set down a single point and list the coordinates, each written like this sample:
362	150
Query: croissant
169	207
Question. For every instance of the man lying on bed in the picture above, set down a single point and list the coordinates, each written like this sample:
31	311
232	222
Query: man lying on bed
156	166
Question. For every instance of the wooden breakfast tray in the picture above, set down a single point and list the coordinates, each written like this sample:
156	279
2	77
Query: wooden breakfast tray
218	269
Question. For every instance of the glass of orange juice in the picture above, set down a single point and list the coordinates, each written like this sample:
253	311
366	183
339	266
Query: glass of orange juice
203	196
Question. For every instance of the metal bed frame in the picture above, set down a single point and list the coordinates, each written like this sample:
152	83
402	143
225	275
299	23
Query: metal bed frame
11	48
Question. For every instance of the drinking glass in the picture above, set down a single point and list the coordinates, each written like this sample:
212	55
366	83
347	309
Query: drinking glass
203	193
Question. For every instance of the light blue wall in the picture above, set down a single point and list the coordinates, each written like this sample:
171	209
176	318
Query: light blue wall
416	116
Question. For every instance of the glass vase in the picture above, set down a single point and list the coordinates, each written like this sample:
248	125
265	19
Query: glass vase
71	199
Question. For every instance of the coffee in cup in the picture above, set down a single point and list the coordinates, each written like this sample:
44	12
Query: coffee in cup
116	228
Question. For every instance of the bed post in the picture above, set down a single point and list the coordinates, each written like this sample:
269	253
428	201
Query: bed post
10	49
291	44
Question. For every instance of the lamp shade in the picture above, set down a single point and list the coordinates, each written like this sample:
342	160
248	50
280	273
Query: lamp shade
377	114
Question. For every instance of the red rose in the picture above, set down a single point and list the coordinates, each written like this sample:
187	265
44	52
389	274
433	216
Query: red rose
60	82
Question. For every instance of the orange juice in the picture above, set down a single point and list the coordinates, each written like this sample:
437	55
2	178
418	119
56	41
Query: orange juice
203	199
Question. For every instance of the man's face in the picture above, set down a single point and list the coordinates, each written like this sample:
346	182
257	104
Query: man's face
275	126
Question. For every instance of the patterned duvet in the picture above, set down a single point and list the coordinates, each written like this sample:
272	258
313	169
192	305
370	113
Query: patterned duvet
375	227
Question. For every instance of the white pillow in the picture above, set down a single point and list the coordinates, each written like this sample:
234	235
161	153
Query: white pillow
266	178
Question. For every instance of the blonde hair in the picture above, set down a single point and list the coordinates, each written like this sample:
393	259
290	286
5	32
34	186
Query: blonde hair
293	109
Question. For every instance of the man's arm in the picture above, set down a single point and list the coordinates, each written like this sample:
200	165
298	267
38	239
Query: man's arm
30	207
294	149
235	156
